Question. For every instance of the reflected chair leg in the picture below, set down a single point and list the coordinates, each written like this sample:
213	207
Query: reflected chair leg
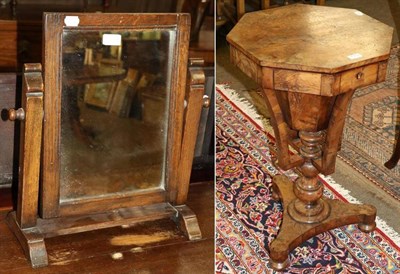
240	8
265	4
395	157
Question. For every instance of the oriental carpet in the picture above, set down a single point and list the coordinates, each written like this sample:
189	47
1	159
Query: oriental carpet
247	218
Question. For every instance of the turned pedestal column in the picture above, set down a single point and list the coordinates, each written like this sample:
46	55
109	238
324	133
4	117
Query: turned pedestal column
306	212
309	60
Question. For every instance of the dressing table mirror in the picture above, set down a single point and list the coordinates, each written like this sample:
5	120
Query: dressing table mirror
119	127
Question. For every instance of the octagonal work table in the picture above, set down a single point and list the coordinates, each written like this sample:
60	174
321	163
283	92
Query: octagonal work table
309	60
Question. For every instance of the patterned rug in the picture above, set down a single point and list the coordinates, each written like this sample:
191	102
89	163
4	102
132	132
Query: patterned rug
372	126
247	219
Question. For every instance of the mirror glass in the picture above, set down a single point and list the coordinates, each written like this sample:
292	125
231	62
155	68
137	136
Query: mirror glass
114	114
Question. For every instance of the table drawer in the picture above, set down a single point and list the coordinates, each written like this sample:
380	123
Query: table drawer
359	77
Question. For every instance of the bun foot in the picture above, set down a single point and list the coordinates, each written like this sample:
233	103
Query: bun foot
279	266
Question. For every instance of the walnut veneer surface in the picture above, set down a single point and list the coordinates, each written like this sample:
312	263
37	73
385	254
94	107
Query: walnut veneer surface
331	37
309	60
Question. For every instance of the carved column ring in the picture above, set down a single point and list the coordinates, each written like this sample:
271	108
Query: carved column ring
311	144
311	154
309	170
307	196
310	135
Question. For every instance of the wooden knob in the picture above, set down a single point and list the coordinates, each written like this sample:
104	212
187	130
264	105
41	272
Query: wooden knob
206	101
18	114
359	75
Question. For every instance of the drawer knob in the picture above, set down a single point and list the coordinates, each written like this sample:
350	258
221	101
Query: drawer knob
359	75
16	114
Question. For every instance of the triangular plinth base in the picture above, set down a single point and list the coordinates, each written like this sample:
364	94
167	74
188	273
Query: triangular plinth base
293	233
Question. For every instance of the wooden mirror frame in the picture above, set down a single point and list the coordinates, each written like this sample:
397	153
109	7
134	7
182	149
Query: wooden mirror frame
39	213
54	26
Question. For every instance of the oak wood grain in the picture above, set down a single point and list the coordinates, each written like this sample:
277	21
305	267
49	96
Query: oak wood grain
101	204
188	223
176	107
53	27
94	251
59	217
31	240
195	92
50	193
123	216
31	139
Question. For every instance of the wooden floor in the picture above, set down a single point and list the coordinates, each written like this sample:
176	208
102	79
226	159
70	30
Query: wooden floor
153	247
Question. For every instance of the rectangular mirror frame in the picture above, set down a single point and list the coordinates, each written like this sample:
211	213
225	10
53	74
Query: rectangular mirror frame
54	25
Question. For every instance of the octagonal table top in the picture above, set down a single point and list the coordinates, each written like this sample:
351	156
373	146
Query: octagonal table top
311	38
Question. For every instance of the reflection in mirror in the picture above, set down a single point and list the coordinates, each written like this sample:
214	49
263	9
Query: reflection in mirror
115	93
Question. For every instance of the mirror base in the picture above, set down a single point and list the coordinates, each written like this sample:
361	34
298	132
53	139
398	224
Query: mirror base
32	238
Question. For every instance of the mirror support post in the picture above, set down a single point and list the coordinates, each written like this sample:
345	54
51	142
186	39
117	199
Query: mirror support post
31	139
185	218
23	220
194	99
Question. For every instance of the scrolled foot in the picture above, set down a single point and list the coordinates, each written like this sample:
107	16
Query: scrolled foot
38	254
367	224
31	240
187	221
